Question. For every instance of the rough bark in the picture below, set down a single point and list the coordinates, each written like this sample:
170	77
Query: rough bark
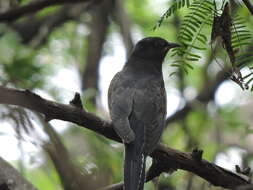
34	6
98	30
121	18
35	30
11	179
71	177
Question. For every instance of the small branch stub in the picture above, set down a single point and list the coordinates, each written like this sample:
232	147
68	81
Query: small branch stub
77	102
47	118
197	154
245	171
4	186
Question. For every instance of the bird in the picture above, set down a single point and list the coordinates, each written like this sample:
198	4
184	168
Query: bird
137	106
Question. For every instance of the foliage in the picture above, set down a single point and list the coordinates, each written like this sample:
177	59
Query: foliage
191	34
212	126
18	64
203	23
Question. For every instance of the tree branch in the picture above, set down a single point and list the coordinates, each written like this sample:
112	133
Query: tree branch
248	5
71	177
34	6
121	18
10	178
99	25
169	158
35	30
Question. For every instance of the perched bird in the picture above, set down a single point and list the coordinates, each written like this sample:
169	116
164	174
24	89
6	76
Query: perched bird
137	104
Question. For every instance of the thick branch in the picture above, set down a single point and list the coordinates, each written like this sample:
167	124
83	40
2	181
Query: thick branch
34	6
98	31
53	110
168	157
122	19
35	30
70	175
11	179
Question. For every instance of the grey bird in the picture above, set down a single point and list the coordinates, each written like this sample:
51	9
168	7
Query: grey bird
137	104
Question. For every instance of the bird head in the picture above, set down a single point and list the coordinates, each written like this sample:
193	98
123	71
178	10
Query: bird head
153	48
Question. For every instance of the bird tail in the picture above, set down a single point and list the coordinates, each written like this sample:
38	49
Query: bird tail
134	168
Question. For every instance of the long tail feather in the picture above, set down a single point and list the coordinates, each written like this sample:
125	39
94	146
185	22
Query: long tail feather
134	169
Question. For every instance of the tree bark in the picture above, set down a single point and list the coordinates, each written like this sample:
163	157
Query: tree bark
98	30
10	178
35	6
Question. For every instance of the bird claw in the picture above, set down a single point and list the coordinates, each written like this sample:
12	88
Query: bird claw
128	138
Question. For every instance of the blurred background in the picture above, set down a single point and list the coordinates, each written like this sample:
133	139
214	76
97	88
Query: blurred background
78	47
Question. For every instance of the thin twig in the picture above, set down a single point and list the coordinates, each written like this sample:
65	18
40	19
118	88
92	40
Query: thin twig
34	6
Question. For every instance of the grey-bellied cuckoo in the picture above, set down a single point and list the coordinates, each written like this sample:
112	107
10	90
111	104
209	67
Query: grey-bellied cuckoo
137	104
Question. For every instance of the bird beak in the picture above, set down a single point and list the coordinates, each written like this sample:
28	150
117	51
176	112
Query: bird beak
171	45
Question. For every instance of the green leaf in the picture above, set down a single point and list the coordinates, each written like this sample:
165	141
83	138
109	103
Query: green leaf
180	66
179	4
203	36
198	11
249	81
173	73
205	9
239	21
184	38
196	47
244	59
191	54
189	18
174	54
187	35
240	26
191	59
202	16
240	39
187	3
201	40
241	36
175	65
240	31
209	3
190	27
189	66
247	76
186	30
183	3
180	61
240	44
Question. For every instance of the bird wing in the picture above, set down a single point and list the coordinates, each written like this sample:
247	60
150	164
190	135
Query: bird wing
120	100
147	120
150	111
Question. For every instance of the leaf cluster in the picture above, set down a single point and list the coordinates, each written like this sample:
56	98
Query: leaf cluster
203	22
191	34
